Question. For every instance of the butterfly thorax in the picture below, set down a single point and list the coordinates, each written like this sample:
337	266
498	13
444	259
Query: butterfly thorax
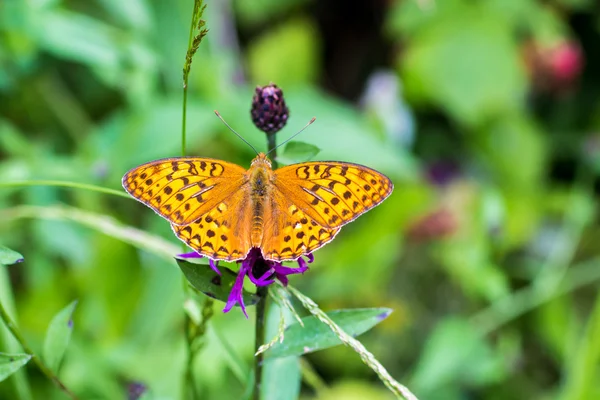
260	176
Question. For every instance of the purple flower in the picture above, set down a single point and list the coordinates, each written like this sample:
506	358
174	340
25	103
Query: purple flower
193	254
269	111
260	271
135	390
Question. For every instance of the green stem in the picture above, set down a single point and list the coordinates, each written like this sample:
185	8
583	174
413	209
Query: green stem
189	325
190	335
67	184
20	382
271	146
12	327
261	309
186	75
183	119
192	331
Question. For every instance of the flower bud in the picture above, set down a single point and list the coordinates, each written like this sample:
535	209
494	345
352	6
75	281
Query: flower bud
269	112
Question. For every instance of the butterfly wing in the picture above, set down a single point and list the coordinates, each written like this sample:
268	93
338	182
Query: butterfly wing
290	232
223	233
311	201
183	189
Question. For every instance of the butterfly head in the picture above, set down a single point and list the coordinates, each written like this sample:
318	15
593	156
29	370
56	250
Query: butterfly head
261	160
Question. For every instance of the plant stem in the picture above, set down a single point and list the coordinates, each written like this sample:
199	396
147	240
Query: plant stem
189	386
185	87
183	119
12	327
190	334
271	145
261	308
67	184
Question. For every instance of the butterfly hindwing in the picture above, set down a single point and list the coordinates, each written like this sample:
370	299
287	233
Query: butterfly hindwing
183	189
293	233
223	233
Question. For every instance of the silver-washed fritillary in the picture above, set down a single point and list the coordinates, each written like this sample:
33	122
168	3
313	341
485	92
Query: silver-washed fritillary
222	210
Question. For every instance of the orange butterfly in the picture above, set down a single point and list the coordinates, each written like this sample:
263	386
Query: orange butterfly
223	211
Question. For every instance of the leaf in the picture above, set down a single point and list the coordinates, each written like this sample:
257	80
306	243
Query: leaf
317	336
581	381
10	363
281	377
482	75
58	337
203	278
296	63
80	38
9	257
297	152
456	353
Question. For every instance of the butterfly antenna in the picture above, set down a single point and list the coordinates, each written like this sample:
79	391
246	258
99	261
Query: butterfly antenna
294	135
237	134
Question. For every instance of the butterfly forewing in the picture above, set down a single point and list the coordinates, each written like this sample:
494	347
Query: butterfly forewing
183	189
332	193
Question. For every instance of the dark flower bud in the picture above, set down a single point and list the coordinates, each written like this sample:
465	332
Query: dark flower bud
269	112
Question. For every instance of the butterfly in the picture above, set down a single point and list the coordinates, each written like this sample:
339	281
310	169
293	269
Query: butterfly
222	210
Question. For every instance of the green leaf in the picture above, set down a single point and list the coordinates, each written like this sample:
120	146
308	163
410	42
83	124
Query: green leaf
258	12
78	37
203	278
10	363
297	152
58	336
455	353
281	377
296	63
482	74
581	381
9	257
317	336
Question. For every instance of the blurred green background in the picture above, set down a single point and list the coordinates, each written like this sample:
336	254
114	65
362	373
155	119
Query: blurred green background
483	113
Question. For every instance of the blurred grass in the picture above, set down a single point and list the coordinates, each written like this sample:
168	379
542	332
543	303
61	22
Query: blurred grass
487	249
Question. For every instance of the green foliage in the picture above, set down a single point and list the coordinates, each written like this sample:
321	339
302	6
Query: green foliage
10	363
456	353
492	275
281	376
58	337
294	64
312	335
297	152
9	257
216	286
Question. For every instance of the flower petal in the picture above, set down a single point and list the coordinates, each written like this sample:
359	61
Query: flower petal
235	296
193	254
213	265
262	281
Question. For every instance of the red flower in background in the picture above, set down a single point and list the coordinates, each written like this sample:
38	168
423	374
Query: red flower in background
553	68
